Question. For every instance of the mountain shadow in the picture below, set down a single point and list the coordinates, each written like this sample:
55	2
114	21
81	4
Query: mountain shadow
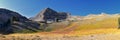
13	22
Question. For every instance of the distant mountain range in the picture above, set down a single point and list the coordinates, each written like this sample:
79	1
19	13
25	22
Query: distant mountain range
11	22
94	16
49	14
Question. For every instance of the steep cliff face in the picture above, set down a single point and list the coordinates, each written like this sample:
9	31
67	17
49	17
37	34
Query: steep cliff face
49	14
11	22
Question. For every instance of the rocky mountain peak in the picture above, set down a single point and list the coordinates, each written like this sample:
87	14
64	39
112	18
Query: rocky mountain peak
50	14
48	9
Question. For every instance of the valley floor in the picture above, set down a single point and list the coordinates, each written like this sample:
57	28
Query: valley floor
81	30
104	34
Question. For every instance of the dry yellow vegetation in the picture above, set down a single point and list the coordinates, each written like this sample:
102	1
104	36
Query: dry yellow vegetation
103	24
89	29
91	24
100	34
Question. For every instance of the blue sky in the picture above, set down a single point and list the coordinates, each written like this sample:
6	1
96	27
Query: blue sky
30	8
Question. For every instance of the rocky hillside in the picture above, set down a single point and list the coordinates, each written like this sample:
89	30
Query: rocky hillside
89	22
11	22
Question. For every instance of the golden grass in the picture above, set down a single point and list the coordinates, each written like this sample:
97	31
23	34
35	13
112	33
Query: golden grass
73	33
94	31
104	24
87	27
71	36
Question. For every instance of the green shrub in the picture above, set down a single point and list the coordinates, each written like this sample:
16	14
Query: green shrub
48	29
24	31
119	23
